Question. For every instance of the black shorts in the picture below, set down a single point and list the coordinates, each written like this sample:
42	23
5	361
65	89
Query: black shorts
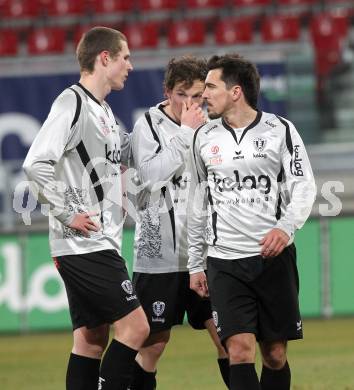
256	295
166	298
98	287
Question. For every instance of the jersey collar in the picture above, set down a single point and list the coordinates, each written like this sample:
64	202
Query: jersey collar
250	126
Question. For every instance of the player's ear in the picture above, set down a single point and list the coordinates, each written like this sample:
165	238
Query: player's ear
236	92
168	94
104	57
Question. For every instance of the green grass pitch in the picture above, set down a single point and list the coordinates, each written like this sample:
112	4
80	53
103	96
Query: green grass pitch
324	360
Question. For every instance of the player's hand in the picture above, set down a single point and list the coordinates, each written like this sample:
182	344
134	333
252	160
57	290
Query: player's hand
84	223
273	243
198	283
192	115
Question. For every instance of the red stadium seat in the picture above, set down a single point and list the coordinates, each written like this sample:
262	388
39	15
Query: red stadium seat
63	7
325	25
296	2
204	3
19	8
280	28
327	33
188	32
50	40
251	3
8	43
142	35
231	30
106	6
157	5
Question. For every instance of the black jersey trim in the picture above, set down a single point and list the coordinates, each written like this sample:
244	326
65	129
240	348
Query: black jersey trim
161	108
88	93
154	134
171	212
78	108
250	126
85	158
288	140
193	145
279	180
214	216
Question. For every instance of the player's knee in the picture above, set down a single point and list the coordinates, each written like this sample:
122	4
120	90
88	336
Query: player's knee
157	349
275	356
138	332
240	351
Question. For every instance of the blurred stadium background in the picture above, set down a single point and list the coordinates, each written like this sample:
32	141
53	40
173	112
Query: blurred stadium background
304	50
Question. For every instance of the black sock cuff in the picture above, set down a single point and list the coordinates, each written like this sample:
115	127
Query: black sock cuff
242	366
271	370
117	345
140	369
86	359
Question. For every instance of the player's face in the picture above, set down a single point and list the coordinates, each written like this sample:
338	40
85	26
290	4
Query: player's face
180	94
119	67
216	95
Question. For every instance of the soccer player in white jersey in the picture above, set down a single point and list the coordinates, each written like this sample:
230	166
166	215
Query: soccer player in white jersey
161	140
75	163
257	188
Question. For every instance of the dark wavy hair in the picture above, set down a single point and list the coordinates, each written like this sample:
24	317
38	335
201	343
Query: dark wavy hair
186	70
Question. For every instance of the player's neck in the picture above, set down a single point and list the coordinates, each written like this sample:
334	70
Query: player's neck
240	117
95	85
168	110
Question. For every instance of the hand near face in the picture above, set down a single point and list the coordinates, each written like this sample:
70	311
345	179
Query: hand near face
192	116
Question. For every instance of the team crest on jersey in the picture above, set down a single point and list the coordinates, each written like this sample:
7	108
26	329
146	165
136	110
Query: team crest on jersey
259	144
104	126
127	286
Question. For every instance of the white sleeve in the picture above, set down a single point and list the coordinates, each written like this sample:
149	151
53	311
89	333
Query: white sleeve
125	147
197	211
299	181
156	165
55	137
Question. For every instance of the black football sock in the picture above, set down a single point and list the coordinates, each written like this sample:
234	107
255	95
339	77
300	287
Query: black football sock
243	376
82	373
141	379
116	367
224	370
276	379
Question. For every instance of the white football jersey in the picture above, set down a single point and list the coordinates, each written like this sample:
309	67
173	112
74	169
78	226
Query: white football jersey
75	162
250	181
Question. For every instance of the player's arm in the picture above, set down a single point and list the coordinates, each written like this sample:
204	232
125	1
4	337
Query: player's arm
57	135
301	188
157	165
196	221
